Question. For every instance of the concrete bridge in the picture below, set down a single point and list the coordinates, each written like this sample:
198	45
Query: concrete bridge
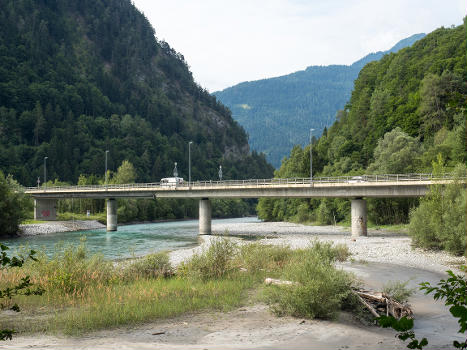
356	188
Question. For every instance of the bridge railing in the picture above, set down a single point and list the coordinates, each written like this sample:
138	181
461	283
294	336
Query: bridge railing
252	182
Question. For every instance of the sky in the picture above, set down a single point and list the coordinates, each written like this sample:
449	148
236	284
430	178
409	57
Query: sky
226	42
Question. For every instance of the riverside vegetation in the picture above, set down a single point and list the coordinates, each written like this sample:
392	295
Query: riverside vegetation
84	293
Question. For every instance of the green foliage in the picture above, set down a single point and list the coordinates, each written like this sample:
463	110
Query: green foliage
403	326
14	205
215	262
79	78
319	288
398	290
454	291
21	288
255	257
71	269
278	113
440	220
150	266
126	174
396	153
404	110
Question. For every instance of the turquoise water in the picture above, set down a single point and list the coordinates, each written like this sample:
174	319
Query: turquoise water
128	241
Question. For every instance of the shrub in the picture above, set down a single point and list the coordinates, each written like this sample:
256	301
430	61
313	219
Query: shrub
215	262
71	269
398	290
150	266
440	220
320	288
255	257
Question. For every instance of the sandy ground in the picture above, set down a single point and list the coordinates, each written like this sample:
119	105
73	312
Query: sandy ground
377	259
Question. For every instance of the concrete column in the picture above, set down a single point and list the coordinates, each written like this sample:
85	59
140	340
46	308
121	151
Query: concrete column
111	214
204	216
45	209
358	216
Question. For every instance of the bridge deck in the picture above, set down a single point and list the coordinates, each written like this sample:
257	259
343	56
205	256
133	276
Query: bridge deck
411	185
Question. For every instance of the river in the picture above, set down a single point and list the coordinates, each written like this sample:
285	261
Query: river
129	241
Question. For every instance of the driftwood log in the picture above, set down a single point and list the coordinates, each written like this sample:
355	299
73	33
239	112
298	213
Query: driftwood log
377	303
382	304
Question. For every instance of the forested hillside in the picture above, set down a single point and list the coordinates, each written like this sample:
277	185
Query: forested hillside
278	113
406	113
78	78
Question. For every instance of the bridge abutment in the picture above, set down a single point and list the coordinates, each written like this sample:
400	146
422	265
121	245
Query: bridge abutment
111	214
45	209
358	217
205	216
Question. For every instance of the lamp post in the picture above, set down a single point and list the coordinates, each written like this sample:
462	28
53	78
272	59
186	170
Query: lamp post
106	152
189	164
45	171
220	173
311	156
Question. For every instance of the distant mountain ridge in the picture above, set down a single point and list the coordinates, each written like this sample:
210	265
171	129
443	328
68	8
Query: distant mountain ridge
278	112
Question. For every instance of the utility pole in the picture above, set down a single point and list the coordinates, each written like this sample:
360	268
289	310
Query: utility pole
45	171
189	164
311	157
106	152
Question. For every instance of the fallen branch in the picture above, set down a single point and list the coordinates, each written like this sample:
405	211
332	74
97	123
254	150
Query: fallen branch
377	301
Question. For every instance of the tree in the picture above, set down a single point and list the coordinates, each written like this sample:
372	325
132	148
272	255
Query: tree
126	173
439	221
396	153
14	205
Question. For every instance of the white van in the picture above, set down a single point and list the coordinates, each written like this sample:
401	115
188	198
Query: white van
171	181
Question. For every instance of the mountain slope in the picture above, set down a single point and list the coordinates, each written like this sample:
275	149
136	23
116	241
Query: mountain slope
81	77
278	113
406	113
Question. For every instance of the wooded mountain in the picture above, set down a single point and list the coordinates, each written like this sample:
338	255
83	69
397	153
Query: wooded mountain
278	113
407	112
81	77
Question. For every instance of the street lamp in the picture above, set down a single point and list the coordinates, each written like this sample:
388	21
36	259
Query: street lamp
45	171
311	156
220	173
106	152
189	164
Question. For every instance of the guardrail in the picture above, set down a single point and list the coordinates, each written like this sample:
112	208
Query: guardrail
251	182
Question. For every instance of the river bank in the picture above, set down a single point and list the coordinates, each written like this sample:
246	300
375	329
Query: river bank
377	259
45	228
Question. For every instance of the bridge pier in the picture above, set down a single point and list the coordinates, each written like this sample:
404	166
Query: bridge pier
358	217
111	214
45	209
205	216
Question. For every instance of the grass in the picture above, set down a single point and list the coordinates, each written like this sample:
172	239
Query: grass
399	290
394	228
32	221
67	216
86	293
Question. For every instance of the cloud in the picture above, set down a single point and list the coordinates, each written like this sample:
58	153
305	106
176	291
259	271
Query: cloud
227	42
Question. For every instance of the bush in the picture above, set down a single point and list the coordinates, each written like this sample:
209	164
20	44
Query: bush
150	266
440	220
71	269
255	257
320	288
398	290
215	262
